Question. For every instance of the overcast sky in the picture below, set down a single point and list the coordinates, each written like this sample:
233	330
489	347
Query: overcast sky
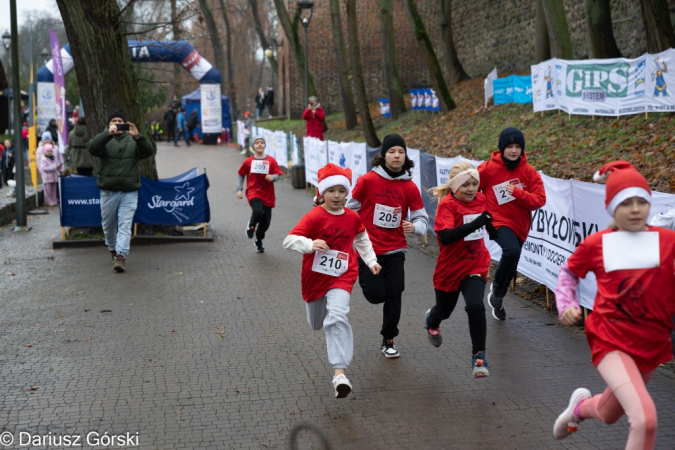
22	6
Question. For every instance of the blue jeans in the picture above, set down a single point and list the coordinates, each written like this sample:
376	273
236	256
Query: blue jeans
184	134
117	214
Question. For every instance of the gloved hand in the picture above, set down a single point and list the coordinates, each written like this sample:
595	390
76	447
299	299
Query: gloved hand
482	220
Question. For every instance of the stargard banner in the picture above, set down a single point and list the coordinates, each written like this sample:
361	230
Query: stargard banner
605	87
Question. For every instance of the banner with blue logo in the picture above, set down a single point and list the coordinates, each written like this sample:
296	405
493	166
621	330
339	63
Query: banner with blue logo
384	107
180	203
503	90
522	89
79	202
514	88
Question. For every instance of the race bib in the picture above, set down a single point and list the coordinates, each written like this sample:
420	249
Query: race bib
500	191
479	233
330	262
624	250
260	166
387	216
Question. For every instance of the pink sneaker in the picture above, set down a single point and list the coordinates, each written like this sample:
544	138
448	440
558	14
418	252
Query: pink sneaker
567	422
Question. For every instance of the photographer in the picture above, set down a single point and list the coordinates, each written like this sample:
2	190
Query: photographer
118	149
315	118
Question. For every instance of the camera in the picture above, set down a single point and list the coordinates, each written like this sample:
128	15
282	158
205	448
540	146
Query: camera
122	127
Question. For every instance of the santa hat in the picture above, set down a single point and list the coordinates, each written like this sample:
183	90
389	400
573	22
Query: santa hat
626	182
331	175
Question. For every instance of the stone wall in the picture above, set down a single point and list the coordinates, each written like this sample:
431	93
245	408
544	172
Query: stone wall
487	33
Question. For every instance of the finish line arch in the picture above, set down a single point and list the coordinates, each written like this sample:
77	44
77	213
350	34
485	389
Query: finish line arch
181	52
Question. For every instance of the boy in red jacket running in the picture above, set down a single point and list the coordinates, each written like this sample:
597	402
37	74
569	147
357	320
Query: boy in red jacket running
261	171
327	236
513	189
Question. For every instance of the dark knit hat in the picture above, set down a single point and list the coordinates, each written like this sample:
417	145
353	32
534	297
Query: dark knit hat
509	136
116	113
392	140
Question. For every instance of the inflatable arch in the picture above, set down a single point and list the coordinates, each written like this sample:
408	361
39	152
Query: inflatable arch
180	52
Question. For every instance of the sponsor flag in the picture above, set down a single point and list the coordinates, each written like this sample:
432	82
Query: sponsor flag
59	90
32	138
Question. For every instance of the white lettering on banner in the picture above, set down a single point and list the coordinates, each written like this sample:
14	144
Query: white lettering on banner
330	262
564	229
183	199
261	167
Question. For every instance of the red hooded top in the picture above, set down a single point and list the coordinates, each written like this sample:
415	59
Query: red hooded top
314	122
513	211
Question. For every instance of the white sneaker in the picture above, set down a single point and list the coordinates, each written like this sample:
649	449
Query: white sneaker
341	385
567	422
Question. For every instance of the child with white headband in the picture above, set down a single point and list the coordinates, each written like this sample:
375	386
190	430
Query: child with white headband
463	260
629	328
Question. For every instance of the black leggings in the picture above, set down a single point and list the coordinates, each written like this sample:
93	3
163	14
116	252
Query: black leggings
386	287
473	290
508	264
261	217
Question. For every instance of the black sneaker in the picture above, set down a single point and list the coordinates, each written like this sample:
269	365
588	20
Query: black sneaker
433	334
496	302
259	247
388	349
250	229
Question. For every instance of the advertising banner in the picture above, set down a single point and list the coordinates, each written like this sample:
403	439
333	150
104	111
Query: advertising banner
384	107
59	91
211	108
488	86
181	203
79	202
315	158
605	87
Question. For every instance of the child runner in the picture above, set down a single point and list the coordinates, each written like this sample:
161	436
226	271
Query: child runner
261	172
513	189
382	198
463	261
327	236
629	328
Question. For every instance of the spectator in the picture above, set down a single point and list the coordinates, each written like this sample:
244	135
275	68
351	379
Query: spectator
7	161
118	178
76	113
2	166
53	131
156	130
192	123
181	128
249	123
259	103
315	118
269	100
175	103
170	121
49	167
76	152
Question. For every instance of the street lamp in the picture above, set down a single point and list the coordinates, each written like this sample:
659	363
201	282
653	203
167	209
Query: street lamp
44	55
306	10
6	40
270	53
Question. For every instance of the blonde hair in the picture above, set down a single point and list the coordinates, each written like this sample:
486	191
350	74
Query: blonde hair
441	191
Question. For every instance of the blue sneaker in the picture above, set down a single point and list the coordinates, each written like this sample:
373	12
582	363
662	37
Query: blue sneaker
480	365
433	334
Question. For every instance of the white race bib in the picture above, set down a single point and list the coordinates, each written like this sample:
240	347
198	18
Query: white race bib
330	262
500	191
479	233
260	166
387	216
623	250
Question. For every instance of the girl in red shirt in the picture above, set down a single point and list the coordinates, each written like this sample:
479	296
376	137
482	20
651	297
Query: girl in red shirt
463	261
327	236
261	171
513	189
382	198
629	328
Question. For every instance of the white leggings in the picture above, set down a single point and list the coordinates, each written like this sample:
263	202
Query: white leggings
330	312
626	393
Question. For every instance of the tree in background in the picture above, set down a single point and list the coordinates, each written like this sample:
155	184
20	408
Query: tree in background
264	43
601	42
231	89
98	43
391	74
427	48
343	66
366	121
216	43
558	30
659	29
291	31
542	46
453	67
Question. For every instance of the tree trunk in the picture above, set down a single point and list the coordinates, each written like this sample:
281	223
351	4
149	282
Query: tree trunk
216	43
231	90
453	67
107	79
175	28
558	31
291	31
542	46
659	29
601	43
261	34
366	121
394	85
343	66
427	48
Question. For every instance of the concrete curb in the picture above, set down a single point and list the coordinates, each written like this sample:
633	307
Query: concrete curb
137	240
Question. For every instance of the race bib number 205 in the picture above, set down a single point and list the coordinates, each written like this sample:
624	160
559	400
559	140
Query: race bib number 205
387	216
261	167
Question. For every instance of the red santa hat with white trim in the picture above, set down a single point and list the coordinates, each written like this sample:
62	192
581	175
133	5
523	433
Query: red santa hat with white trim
331	175
625	182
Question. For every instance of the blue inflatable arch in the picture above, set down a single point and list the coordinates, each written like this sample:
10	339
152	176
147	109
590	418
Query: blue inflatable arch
180	52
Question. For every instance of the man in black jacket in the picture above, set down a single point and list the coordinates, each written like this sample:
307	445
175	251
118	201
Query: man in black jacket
170	120
118	178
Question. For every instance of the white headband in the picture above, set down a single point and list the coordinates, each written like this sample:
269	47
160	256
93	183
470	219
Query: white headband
458	180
